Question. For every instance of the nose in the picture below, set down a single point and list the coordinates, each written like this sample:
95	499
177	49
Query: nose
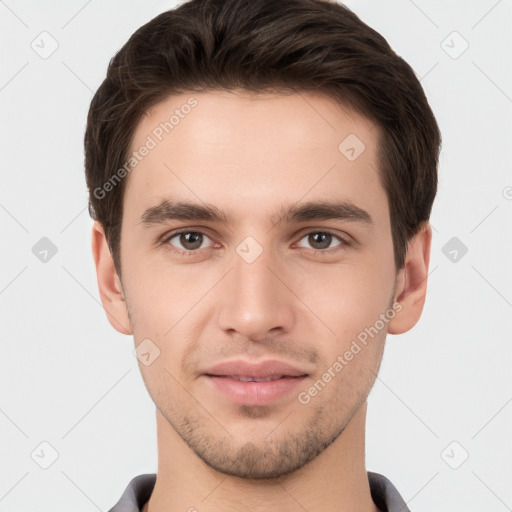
257	299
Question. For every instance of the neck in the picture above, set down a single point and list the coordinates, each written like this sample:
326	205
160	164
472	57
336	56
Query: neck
335	480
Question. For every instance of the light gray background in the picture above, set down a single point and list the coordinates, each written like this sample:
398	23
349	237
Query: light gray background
70	380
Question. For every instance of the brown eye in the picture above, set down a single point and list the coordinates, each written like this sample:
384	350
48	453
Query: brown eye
188	241
321	240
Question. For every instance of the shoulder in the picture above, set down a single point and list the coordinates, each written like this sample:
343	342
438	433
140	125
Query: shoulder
136	494
384	494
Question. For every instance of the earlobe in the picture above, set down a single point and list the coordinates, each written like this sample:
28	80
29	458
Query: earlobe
411	285
109	284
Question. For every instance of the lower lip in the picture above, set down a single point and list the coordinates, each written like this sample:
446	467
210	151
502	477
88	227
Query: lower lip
255	393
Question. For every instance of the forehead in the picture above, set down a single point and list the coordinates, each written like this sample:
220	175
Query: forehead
230	147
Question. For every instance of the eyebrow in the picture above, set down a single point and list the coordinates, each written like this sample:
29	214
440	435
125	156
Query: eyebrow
303	212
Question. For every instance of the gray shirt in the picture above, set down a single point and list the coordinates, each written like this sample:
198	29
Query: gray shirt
384	494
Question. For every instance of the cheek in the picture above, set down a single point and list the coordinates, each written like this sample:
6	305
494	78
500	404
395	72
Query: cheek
347	299
160	297
168	307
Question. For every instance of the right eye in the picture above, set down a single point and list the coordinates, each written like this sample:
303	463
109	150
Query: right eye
191	242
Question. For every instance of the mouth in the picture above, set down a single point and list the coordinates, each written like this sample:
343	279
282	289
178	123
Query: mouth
245	378
263	383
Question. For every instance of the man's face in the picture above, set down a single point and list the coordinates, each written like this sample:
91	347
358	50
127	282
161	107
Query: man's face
298	292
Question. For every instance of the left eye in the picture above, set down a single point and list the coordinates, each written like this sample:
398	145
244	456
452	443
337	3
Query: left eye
321	239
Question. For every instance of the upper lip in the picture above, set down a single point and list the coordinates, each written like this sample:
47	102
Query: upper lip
261	369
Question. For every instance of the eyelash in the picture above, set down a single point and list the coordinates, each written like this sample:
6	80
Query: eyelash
169	247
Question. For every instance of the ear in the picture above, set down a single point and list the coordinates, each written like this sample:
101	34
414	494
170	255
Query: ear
411	286
109	284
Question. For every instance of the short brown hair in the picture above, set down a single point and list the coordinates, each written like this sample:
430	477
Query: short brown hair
261	46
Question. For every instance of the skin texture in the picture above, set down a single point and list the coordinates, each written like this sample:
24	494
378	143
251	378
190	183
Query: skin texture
249	156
